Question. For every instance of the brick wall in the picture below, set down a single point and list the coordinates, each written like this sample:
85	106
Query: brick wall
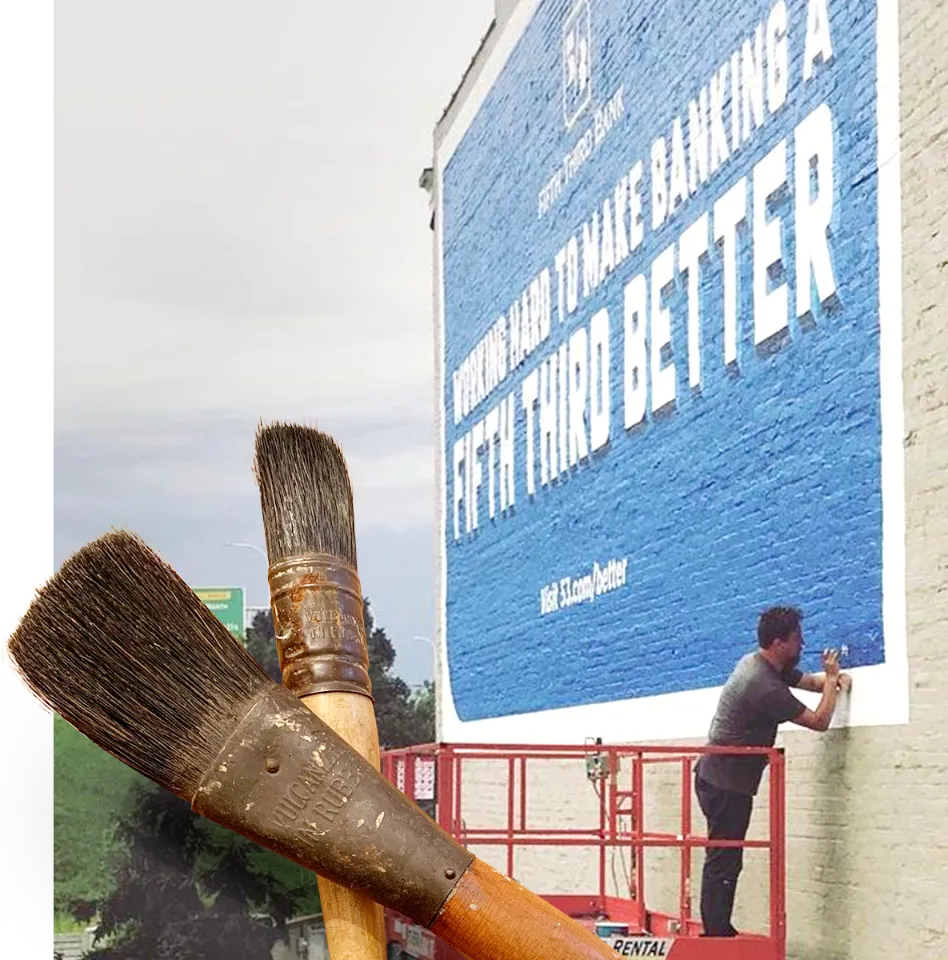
866	846
688	492
867	852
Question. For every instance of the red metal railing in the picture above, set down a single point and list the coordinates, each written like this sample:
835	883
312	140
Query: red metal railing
432	774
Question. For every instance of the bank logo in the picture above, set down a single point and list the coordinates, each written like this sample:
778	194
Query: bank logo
577	63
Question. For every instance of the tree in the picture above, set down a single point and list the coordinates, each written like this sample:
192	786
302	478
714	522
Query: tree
261	643
183	888
425	706
190	890
402	719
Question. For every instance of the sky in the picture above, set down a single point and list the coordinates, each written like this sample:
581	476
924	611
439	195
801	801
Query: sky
240	235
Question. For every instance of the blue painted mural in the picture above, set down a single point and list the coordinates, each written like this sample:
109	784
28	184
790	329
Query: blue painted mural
661	393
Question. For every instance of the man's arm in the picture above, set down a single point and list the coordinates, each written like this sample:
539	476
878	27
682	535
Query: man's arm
819	719
814	682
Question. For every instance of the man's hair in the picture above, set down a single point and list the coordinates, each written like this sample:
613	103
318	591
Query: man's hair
776	623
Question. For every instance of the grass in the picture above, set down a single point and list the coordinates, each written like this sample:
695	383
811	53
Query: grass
63	923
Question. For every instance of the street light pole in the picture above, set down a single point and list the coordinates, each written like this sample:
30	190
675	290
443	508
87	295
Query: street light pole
254	547
434	655
266	560
436	663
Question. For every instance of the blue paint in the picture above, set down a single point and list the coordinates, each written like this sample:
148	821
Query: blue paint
765	487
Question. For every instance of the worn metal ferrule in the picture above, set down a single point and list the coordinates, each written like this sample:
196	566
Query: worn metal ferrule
319	624
285	780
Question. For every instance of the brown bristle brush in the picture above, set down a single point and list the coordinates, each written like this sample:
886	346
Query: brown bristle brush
316	599
123	650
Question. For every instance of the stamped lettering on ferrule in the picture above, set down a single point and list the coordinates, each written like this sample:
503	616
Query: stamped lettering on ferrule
339	788
318	792
306	785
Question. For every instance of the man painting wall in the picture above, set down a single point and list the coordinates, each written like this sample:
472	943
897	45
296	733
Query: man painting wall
755	700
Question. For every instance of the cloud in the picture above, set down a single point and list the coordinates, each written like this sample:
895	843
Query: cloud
134	358
197	470
187	489
240	235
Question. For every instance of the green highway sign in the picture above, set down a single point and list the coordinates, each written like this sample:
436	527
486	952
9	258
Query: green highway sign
227	604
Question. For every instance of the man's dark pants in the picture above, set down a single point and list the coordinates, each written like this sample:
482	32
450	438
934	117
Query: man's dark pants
728	815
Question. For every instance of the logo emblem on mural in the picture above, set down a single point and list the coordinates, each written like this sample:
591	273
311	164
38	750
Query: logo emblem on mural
577	63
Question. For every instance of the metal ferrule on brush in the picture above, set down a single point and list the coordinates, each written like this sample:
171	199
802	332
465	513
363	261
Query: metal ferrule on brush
319	625
285	780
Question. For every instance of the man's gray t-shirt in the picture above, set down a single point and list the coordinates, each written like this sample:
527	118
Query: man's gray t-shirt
755	700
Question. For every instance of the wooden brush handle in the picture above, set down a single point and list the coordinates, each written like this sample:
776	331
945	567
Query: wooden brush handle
355	924
489	917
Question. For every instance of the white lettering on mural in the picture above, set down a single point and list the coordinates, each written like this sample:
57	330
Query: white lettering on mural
585	587
565	412
504	347
603	121
719	125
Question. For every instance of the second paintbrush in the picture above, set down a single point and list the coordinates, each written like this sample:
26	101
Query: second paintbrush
316	599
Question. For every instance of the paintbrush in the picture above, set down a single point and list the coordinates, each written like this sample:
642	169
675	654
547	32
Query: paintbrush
316	599
123	650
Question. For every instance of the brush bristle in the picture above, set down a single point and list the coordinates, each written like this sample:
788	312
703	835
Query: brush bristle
121	648
305	493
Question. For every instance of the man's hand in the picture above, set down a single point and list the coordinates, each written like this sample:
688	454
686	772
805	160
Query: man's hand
831	664
844	682
819	719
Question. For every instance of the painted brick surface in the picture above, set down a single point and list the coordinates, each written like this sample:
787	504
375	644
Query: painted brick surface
867	852
772	440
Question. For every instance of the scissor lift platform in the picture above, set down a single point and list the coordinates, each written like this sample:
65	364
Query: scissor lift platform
433	776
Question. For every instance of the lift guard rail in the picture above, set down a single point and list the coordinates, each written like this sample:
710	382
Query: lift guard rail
432	775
